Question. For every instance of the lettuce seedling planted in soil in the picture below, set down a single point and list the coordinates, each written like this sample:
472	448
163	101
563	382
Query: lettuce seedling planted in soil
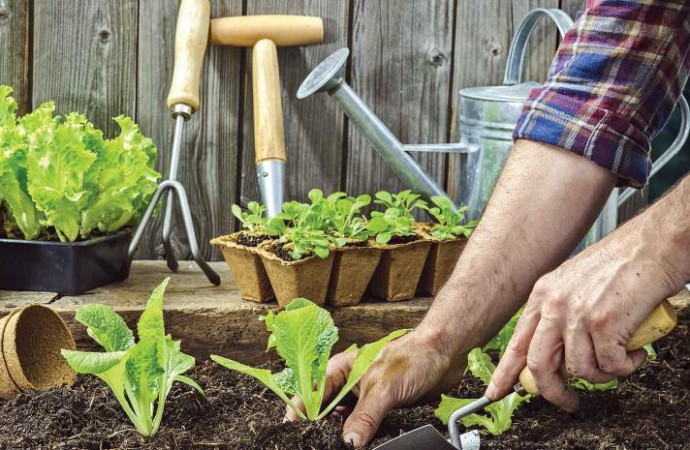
303	336
139	374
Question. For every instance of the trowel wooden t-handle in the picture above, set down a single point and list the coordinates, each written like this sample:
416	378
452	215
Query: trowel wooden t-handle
658	324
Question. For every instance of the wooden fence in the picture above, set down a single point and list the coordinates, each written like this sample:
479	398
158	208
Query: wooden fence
409	58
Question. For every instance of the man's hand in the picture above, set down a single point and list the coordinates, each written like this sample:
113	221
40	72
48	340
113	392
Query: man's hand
582	314
406	370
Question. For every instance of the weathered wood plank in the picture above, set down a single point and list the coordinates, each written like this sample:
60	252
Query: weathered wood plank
209	162
14	49
401	67
544	40
483	31
84	58
314	128
214	319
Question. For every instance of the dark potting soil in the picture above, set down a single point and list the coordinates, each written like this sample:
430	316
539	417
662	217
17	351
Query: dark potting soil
403	239
281	252
251	240
651	410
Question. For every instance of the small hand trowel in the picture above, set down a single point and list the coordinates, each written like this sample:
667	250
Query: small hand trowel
658	324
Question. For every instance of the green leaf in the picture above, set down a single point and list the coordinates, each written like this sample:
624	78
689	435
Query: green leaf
263	375
365	356
151	325
92	362
106	327
142	372
480	365
449	405
189	382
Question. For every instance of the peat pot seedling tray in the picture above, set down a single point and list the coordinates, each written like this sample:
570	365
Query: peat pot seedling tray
64	268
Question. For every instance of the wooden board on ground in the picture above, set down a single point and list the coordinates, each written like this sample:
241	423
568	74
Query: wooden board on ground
213	319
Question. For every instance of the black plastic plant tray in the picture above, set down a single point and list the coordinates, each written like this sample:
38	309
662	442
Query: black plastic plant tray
64	268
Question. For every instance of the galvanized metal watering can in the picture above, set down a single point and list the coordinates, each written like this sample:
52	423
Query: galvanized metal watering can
488	116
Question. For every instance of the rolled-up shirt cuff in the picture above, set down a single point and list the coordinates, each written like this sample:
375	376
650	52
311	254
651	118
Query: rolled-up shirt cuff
603	137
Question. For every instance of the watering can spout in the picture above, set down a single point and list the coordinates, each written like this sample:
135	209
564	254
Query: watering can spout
329	77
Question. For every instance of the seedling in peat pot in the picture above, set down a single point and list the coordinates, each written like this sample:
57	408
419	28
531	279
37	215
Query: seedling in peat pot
303	336
300	231
404	201
449	223
343	218
254	221
140	375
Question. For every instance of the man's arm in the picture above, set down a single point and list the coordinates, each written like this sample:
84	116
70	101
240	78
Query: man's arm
583	314
514	244
517	241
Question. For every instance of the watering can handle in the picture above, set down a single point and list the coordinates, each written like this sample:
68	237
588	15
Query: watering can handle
672	151
518	48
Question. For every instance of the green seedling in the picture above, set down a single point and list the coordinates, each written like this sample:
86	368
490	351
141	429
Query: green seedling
300	227
449	223
58	173
404	201
389	224
343	217
254	220
303	336
139	374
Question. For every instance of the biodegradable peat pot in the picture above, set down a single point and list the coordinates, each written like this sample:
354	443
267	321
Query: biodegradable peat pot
440	263
397	275
31	339
353	267
63	267
307	277
246	267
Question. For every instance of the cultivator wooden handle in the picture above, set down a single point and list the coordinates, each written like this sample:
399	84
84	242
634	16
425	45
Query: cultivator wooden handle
658	324
191	37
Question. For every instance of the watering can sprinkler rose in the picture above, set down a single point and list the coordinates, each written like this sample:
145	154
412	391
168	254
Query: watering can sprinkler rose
489	115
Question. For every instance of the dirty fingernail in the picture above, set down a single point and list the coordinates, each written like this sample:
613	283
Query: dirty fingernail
352	438
490	390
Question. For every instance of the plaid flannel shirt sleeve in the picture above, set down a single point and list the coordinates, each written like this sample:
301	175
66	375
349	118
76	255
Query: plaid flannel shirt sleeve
613	84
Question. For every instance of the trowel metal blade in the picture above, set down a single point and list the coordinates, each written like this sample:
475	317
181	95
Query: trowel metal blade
423	438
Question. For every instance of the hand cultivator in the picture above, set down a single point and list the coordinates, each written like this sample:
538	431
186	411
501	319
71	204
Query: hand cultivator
658	324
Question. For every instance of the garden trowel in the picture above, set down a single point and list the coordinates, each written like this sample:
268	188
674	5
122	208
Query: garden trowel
658	324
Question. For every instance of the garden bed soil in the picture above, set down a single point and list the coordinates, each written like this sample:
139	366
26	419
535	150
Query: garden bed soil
649	411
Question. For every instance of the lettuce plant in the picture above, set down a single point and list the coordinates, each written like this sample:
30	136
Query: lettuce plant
389	224
139	374
500	413
300	228
303	335
255	220
449	223
404	201
343	219
60	177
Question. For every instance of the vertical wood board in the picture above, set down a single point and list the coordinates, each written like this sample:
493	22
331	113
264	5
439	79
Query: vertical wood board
14	49
401	67
84	58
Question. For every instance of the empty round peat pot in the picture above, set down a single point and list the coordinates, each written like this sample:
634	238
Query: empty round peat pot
31	340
